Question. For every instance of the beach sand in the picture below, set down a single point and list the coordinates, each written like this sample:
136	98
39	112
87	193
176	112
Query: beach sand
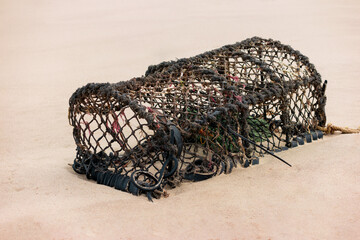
50	48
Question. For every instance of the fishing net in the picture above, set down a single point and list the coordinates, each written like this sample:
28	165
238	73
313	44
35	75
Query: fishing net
198	117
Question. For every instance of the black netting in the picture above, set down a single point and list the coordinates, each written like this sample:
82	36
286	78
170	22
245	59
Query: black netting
196	117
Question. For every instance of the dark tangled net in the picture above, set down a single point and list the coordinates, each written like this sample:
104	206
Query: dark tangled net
183	119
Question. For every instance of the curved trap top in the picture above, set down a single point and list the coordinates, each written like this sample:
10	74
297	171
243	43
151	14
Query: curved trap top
197	117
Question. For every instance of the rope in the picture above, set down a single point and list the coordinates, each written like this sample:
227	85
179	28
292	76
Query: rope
331	129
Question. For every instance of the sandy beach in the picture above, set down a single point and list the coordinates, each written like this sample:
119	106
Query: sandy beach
50	48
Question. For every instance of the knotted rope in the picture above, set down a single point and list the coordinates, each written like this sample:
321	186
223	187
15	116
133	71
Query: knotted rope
331	129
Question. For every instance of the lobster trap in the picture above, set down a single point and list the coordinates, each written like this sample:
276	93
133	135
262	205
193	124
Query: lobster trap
197	117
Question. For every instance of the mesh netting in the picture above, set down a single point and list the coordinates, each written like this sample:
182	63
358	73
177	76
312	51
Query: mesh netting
198	117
